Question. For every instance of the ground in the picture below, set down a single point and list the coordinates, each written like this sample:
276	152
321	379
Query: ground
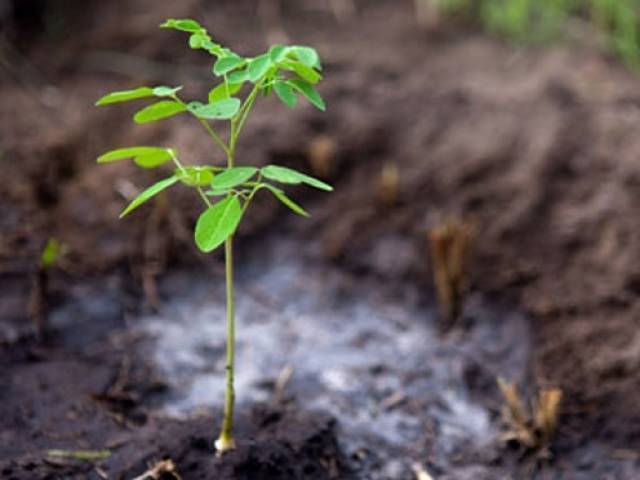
536	147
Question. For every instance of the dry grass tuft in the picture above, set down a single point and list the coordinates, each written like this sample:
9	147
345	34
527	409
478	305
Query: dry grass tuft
532	428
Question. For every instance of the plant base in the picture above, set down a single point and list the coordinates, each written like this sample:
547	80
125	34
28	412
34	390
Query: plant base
224	444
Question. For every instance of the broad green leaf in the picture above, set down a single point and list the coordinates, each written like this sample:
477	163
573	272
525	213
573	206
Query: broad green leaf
226	64
306	73
184	25
280	195
146	157
232	177
309	92
163	91
197	40
240	76
288	175
218	223
153	159
221	110
195	176
286	94
158	111
277	53
125	96
224	91
258	67
307	55
150	192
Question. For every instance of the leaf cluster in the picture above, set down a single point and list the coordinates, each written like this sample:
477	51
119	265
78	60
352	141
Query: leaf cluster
292	72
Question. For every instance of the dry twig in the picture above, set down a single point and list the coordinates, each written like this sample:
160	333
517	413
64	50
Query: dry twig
163	469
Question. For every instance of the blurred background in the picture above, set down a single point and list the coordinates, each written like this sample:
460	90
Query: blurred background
519	117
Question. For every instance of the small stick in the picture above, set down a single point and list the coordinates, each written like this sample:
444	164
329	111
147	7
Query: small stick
281	383
159	470
393	401
84	455
389	184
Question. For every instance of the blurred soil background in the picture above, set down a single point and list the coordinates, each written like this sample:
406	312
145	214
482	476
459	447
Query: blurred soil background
537	146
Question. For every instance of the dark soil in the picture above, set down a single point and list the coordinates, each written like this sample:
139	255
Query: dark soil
538	148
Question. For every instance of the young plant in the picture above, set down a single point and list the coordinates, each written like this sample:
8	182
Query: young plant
50	257
226	191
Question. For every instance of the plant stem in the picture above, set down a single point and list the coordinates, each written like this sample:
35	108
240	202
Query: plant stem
226	442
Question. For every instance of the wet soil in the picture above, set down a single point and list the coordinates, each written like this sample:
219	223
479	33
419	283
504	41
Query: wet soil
538	148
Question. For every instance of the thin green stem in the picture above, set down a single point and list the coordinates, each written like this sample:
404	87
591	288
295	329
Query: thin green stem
203	196
248	200
207	127
240	120
178	164
225	441
214	135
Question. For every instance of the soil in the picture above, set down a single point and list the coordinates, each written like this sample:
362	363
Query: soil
536	147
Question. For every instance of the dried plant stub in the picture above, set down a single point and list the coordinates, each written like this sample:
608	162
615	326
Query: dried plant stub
450	248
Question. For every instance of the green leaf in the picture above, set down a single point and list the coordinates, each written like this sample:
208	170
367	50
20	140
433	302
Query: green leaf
224	91
125	96
280	195
309	92
197	40
218	223
195	176
232	177
286	94
221	110
307	55
240	77
306	73
158	111
277	53
225	64
150	192
163	91
51	253
145	157
258	67
184	25
290	176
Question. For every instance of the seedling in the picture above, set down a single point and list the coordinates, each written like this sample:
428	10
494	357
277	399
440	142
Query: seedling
450	250
226	191
50	257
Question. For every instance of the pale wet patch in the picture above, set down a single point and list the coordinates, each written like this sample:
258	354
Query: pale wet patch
365	351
